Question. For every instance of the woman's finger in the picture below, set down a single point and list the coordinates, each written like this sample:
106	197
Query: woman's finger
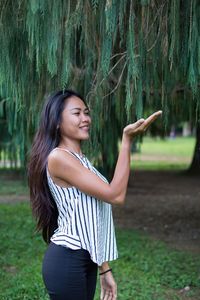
110	297
134	126
114	289
143	123
147	122
102	294
114	292
152	117
114	296
139	122
106	295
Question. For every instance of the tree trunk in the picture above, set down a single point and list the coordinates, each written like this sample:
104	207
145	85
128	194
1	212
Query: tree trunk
194	168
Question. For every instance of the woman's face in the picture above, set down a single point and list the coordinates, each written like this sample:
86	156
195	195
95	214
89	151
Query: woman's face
75	120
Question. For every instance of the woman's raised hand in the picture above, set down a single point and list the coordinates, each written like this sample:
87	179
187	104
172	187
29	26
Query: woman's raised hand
140	126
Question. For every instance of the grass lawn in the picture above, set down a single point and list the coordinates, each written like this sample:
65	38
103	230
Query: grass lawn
146	269
164	154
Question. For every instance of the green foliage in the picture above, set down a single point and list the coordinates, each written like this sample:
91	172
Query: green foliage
135	55
146	269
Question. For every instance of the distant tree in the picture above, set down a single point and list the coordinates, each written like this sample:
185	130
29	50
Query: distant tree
126	57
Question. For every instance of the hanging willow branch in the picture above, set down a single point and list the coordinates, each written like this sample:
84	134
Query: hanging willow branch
125	57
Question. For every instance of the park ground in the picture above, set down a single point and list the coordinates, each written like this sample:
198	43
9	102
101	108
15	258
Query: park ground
162	204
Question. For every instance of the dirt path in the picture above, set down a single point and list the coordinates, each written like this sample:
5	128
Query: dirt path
12	199
165	205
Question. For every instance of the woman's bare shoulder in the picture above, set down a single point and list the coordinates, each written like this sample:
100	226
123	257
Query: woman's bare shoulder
59	157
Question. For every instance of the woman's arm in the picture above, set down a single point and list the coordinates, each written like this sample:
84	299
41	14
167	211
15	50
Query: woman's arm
64	166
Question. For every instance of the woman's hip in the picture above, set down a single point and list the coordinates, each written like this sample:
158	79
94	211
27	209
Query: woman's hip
69	274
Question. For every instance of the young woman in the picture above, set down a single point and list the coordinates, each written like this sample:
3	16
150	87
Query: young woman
72	201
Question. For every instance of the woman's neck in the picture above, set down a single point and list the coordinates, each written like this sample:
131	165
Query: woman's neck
73	146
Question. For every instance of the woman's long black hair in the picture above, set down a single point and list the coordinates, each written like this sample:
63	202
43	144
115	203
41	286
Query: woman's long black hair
46	139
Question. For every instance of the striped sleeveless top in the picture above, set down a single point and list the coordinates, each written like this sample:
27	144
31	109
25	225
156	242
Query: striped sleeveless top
84	221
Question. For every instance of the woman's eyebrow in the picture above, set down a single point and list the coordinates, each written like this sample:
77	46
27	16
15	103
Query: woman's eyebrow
75	108
78	108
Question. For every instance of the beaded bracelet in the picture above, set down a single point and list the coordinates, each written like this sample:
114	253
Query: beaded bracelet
109	270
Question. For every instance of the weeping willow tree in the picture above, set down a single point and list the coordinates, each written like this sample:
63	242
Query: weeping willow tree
126	57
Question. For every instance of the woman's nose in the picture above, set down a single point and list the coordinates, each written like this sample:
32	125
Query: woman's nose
85	118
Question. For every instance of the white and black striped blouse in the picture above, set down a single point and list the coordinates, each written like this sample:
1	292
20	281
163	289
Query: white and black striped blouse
84	221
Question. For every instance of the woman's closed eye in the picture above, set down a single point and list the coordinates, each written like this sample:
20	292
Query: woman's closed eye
87	113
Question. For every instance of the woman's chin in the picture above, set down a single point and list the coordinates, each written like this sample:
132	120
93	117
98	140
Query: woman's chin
84	138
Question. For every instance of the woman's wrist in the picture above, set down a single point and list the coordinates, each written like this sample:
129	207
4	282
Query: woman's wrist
105	266
108	270
126	141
